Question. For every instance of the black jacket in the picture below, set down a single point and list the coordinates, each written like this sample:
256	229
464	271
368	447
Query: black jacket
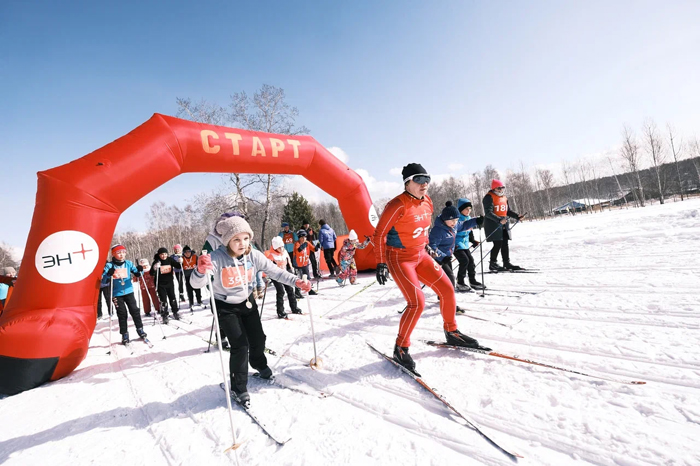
492	223
165	279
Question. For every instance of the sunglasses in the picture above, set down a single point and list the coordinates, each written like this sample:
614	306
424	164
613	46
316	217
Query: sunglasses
420	179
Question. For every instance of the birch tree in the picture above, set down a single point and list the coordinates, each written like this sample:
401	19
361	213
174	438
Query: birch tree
630	154
655	149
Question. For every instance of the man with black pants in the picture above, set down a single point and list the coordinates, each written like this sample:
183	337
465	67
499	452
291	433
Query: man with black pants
312	238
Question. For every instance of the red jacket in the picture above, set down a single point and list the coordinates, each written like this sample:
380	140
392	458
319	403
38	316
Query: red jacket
404	224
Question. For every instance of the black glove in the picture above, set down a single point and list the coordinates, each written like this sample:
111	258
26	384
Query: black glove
475	243
480	220
139	268
302	246
110	271
382	273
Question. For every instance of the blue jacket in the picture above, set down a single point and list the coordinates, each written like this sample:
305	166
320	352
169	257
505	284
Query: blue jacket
122	286
327	237
442	238
463	236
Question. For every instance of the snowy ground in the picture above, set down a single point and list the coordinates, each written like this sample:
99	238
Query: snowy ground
619	299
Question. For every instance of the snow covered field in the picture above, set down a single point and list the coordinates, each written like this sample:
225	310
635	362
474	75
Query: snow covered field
619	299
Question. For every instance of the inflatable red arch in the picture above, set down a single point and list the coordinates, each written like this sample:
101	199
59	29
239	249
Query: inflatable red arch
46	328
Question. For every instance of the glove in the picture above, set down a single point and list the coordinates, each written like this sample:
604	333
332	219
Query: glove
156	265
110	271
431	251
382	273
480	220
520	217
303	246
204	264
139	268
303	285
504	221
475	243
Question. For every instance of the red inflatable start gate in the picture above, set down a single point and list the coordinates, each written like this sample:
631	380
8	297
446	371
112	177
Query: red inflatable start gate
46	328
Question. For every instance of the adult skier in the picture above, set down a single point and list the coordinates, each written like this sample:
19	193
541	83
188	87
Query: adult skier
462	253
400	239
496	213
234	266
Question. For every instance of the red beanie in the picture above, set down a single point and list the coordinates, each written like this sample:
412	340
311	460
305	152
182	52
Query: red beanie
496	184
117	247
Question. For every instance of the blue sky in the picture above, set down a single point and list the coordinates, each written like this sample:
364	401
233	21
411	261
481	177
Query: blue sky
444	83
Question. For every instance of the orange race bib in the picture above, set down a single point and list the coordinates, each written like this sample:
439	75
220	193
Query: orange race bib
500	205
165	269
120	273
231	278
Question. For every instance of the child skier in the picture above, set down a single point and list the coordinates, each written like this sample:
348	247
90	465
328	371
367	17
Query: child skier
302	250
148	289
177	255
399	241
189	263
348	267
279	256
120	270
443	236
234	266
164	268
496	212
462	253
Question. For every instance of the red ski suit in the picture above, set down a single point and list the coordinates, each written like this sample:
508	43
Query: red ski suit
400	239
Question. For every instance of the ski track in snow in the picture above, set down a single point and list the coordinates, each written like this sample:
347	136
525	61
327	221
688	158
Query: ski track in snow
616	300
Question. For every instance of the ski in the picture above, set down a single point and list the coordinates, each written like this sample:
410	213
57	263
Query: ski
276	383
529	361
511	455
147	341
516	291
491	321
256	420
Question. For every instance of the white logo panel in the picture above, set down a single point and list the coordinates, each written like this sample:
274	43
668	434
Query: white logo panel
67	256
373	217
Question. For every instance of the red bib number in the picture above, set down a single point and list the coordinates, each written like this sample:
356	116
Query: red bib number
231	278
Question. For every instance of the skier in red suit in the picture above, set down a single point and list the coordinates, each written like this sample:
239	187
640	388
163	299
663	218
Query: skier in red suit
400	240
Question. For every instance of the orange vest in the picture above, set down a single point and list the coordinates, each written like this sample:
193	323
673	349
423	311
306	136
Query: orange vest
302	258
500	205
189	264
277	258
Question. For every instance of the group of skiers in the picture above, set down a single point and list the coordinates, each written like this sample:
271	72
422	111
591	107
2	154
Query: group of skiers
405	246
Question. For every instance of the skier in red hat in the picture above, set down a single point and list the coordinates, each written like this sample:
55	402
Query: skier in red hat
496	213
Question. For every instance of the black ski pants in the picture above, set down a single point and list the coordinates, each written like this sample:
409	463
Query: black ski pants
281	288
446	264
501	246
123	302
191	292
246	337
328	254
314	264
166	293
104	292
180	281
466	265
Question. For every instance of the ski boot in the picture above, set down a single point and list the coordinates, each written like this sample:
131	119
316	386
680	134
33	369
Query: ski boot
402	357
225	345
512	267
266	373
164	315
457	338
340	281
494	267
312	293
460	310
462	288
125	338
296	311
141	333
176	315
476	285
281	314
242	398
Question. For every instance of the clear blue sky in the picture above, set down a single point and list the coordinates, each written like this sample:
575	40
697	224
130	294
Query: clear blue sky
389	82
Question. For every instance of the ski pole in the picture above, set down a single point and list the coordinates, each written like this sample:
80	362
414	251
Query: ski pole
153	308
316	362
511	229
481	252
211	332
262	306
110	315
227	385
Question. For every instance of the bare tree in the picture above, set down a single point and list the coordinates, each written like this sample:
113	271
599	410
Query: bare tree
696	158
630	154
619	186
268	112
655	149
677	151
6	259
546	177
